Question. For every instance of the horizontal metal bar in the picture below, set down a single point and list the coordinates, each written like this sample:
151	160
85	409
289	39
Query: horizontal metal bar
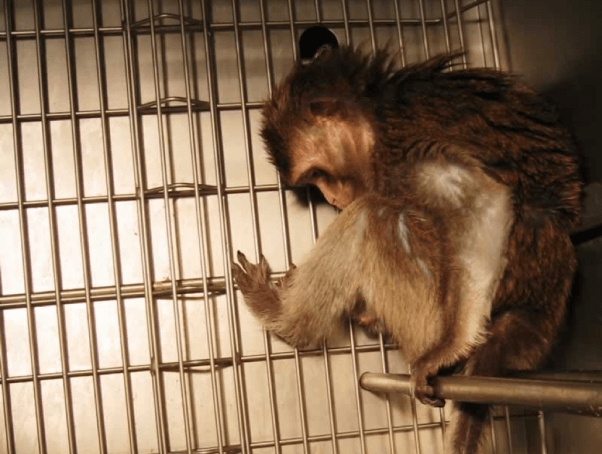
193	366
319	438
143	26
144	110
163	288
196	365
575	396
175	191
226	26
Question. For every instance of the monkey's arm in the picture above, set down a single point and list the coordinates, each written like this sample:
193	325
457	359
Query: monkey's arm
309	303
355	262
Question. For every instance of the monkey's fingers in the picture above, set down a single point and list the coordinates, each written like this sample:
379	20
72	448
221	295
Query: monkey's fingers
422	390
242	259
284	280
251	277
241	277
425	396
265	267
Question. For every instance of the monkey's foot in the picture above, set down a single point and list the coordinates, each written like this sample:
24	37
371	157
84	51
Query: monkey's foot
422	371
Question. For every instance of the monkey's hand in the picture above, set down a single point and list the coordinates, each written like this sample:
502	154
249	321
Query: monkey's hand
421	371
261	294
285	280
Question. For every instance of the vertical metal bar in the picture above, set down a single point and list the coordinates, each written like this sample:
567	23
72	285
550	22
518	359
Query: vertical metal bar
24	238
139	178
542	432
325	353
445	26
508	429
291	21
460	31
493	32
333	427
318	12
219	172
380	336
301	397
56	264
491	428
346	22
202	229
427	53
23	232
371	25
246	131
85	256
335	449
425	41
400	33
168	225
442	423
6	400
26	258
313	223
300	390
481	34
285	237
385	368
358	400
100	74
415	425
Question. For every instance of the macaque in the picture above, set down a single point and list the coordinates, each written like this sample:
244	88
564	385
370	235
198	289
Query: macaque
458	190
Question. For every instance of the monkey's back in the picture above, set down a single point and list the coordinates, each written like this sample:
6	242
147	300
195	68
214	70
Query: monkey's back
519	140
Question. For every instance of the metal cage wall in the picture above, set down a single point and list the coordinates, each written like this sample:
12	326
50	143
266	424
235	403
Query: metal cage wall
130	171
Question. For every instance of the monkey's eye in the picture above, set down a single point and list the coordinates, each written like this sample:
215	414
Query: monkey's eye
316	174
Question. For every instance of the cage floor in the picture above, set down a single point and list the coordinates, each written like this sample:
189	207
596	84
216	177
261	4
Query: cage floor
131	170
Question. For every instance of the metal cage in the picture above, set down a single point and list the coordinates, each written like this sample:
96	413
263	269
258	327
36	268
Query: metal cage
130	170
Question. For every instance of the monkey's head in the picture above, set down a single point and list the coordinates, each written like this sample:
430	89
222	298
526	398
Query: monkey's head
318	126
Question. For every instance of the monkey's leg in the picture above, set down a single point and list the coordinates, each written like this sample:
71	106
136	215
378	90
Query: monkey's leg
517	341
512	337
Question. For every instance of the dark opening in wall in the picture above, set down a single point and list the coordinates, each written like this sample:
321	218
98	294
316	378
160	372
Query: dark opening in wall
313	39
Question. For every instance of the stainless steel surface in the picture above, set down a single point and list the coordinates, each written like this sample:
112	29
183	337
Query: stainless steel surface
542	392
130	170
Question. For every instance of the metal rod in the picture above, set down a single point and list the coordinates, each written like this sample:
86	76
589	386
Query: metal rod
143	28
9	437
285	237
461	32
575	396
158	386
201	222
216	133
101	73
25	249
173	257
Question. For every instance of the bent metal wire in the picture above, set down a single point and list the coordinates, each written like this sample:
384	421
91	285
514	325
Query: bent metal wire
131	170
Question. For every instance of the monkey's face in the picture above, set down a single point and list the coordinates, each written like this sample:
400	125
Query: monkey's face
334	155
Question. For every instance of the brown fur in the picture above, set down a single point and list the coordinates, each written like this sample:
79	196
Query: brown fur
460	189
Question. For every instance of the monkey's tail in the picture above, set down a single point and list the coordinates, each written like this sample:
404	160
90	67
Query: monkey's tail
466	431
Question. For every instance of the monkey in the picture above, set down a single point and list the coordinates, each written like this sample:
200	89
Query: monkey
458	189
